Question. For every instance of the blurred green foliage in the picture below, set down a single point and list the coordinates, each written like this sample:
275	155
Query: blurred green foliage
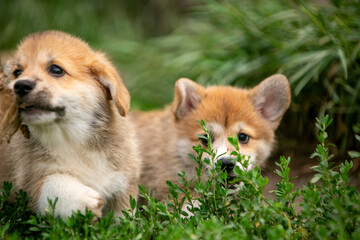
154	42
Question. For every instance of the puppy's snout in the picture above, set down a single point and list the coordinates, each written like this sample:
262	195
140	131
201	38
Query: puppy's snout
227	164
23	87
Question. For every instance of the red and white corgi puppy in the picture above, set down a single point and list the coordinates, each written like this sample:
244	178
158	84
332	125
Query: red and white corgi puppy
167	136
80	146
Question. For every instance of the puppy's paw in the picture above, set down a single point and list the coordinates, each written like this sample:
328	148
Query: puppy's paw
72	196
93	201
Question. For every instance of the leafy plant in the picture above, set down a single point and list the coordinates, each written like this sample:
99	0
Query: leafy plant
330	207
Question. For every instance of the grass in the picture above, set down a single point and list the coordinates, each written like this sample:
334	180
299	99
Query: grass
330	207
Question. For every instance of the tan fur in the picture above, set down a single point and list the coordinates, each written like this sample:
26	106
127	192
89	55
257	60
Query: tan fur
89	144
9	119
166	137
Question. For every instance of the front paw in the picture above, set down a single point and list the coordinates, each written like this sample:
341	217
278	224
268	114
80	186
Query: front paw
72	196
92	201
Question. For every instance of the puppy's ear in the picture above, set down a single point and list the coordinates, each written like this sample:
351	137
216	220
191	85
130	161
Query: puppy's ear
272	98
106	74
186	98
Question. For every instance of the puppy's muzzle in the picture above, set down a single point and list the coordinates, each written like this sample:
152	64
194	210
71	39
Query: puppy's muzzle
23	87
227	164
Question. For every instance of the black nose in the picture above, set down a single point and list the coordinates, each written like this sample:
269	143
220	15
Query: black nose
23	87
227	164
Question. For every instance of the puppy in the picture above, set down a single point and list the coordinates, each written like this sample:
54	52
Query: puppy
80	147
166	137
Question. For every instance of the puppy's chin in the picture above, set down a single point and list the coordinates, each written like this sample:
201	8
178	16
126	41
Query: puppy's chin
35	116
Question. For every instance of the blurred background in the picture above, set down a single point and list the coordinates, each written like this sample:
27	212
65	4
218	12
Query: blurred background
316	44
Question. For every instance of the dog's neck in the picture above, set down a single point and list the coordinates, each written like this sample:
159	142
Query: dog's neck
74	136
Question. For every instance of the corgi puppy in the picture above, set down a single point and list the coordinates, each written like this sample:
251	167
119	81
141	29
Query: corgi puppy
166	137
80	147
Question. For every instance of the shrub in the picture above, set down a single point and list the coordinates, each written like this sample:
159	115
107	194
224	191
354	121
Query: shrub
330	208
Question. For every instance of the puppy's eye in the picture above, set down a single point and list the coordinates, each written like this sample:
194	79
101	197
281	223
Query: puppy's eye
17	72
56	71
243	138
204	140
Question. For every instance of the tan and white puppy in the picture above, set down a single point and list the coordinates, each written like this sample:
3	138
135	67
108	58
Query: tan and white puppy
81	148
166	137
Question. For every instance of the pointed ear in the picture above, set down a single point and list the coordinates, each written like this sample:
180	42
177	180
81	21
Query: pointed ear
186	98
106	74
272	98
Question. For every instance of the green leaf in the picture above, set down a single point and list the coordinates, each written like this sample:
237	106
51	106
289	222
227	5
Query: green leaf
354	154
316	178
132	203
343	61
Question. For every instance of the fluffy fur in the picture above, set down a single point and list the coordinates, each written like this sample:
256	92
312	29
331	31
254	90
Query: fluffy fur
166	137
81	148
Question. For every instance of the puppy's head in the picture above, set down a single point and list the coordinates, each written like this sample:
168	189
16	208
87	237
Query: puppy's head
57	78
252	114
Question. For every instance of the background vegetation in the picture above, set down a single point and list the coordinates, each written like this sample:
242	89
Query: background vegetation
316	44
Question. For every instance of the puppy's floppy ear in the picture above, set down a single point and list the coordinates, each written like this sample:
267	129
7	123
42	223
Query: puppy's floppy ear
106	74
186	98
9	114
272	98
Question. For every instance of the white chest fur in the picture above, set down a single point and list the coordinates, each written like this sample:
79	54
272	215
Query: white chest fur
68	153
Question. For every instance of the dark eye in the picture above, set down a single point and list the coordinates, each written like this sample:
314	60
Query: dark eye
17	72
204	140
243	138
56	71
